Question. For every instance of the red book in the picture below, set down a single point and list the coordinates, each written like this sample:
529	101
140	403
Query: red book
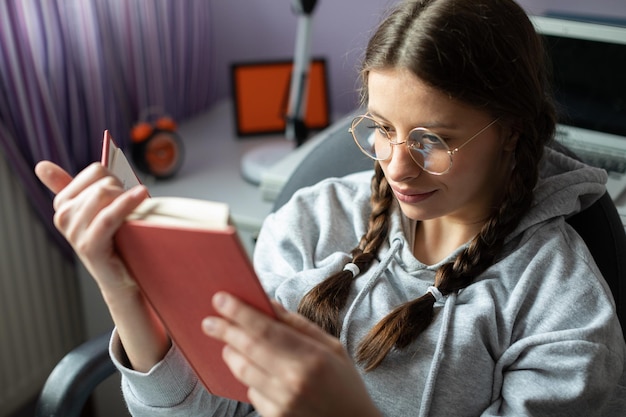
182	251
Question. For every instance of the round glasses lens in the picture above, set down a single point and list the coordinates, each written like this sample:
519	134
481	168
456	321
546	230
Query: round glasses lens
371	138
429	151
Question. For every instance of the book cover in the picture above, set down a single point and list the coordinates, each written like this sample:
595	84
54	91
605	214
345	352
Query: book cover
179	265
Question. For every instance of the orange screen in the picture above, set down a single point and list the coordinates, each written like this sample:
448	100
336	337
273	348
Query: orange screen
261	92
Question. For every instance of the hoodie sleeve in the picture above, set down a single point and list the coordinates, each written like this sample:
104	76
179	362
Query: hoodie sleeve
170	389
311	236
561	375
566	351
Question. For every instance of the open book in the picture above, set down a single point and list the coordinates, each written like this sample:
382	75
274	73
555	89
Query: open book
182	251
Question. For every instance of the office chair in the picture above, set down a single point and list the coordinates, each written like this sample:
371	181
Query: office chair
72	381
74	378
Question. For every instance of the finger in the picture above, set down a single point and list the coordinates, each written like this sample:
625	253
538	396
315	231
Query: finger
263	339
263	327
255	323
111	217
246	339
84	179
52	176
263	405
265	392
92	217
238	349
251	361
259	345
81	208
96	247
247	371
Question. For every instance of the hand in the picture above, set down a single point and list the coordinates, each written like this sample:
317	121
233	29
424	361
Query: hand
88	211
291	366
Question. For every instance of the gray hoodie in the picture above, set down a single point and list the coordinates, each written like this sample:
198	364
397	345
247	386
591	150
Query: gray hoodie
535	334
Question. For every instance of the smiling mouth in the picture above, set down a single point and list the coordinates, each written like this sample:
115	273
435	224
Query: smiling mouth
412	198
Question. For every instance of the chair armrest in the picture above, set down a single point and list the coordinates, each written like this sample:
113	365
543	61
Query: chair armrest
74	378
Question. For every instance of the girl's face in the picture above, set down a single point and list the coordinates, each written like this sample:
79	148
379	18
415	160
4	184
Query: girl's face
400	101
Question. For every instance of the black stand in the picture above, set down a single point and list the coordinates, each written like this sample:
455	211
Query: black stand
296	129
255	163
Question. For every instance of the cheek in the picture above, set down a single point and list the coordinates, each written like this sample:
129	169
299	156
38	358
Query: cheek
483	172
488	156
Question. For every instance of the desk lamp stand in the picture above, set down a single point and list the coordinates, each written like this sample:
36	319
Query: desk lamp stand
255	163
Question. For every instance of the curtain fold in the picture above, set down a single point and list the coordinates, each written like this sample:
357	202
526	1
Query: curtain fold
69	69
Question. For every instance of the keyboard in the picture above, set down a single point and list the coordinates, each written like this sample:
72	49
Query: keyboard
611	160
615	166
602	150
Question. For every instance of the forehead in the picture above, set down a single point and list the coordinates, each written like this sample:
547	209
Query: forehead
396	95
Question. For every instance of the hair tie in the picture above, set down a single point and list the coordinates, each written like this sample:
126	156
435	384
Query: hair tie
352	267
435	292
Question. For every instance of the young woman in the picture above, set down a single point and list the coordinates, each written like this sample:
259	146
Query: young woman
446	283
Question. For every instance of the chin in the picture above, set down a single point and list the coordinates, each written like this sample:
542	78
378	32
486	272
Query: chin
418	213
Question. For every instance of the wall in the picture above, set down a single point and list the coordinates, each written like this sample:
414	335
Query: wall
266	29
247	30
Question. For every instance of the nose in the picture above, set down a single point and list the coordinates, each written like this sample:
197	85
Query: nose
400	166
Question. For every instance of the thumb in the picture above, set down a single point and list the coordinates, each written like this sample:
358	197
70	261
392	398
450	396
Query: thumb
52	176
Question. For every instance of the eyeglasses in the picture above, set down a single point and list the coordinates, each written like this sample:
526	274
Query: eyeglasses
427	149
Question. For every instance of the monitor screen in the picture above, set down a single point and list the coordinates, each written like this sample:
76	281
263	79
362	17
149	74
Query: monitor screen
589	73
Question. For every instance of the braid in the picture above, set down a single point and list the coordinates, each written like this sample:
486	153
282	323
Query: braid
324	302
405	323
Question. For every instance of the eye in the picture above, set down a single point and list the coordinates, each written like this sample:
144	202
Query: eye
431	139
425	140
378	129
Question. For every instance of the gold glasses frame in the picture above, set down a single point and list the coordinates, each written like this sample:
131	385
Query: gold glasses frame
412	144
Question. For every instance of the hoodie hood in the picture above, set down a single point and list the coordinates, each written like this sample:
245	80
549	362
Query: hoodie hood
565	187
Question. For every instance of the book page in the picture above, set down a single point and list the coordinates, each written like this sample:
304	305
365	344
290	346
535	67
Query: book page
114	159
183	212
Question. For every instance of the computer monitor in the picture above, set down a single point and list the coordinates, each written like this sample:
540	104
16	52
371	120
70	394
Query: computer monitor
589	75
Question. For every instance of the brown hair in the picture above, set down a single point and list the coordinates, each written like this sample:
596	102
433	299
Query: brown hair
484	53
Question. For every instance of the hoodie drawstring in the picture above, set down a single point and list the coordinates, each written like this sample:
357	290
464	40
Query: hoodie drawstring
448	308
429	388
395	247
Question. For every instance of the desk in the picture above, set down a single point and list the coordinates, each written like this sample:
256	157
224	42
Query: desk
211	169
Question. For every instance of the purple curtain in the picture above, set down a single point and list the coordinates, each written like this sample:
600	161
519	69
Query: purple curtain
71	68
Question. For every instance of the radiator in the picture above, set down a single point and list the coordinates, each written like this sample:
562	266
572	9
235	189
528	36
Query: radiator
40	313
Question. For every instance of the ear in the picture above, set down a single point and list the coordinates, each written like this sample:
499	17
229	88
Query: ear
511	141
511	134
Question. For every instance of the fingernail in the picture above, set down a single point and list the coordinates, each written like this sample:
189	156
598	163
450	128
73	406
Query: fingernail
220	300
209	325
137	190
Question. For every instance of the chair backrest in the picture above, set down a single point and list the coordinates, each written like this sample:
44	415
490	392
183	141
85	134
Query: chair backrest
601	228
600	225
335	156
72	381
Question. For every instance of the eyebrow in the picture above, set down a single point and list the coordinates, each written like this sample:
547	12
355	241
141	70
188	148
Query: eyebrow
434	125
